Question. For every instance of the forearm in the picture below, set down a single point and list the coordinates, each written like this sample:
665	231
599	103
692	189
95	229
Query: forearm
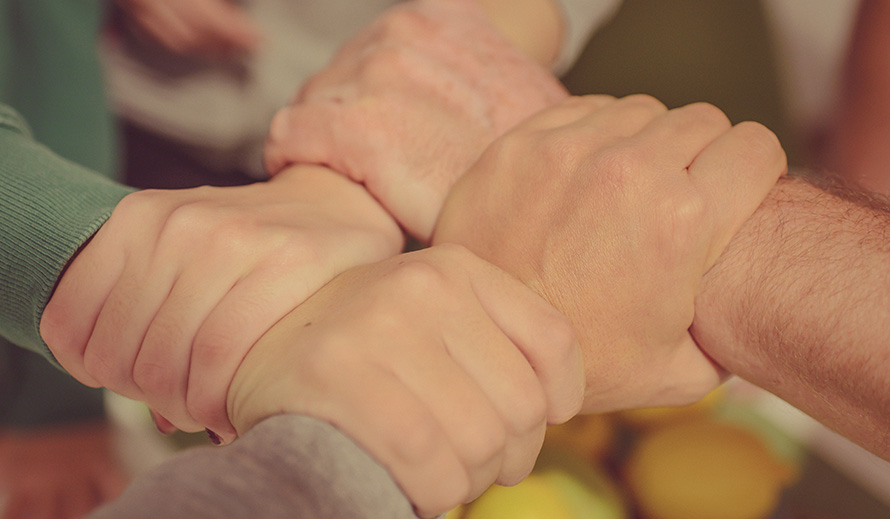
346	203
552	32
534	26
799	304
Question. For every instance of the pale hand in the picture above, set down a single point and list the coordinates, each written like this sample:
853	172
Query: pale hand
207	28
613	210
168	296
441	366
408	105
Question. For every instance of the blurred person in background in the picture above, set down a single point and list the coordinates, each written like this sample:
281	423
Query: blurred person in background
196	83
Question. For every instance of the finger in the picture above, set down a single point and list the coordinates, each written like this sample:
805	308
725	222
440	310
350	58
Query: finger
70	316
231	329
304	133
463	410
700	375
228	27
167	28
162	366
734	175
422	461
679	135
111	351
508	382
543	335
162	424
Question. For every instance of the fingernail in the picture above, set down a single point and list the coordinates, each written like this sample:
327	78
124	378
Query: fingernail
214	438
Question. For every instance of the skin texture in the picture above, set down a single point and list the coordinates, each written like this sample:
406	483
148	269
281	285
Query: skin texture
450	393
857	147
202	28
613	210
408	105
168	296
799	305
58	474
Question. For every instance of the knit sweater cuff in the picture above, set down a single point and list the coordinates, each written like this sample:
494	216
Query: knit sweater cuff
50	208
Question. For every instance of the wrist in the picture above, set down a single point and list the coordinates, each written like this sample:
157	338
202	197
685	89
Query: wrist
533	26
349	201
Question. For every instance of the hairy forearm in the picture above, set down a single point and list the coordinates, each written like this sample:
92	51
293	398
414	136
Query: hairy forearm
799	304
534	26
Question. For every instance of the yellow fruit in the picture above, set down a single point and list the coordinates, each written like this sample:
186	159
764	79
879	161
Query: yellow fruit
705	469
533	498
455	513
658	416
590	495
589	436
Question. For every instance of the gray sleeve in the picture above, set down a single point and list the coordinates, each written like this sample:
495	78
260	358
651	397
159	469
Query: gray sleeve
287	466
581	18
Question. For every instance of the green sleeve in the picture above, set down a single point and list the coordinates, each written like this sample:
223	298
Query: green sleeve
49	208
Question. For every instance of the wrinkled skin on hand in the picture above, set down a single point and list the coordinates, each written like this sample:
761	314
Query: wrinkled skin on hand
441	366
613	210
61	472
169	295
409	104
203	28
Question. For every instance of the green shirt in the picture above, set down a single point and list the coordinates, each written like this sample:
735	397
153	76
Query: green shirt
49	71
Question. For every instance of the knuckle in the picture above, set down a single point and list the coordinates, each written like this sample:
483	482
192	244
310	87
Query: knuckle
190	219
420	278
645	102
155	380
137	203
760	140
710	113
403	25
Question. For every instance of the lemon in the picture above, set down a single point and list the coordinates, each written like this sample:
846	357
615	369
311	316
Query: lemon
657	416
704	469
533	498
589	436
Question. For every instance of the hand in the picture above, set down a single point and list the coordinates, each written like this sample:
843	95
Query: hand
407	106
59	473
613	210
165	300
209	28
439	365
